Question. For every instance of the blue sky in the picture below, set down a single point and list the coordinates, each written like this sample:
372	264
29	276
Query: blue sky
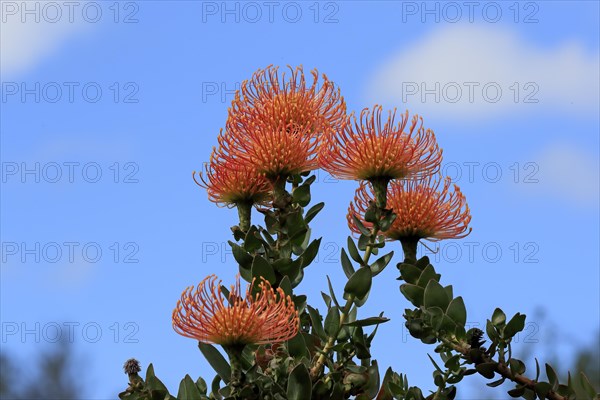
111	117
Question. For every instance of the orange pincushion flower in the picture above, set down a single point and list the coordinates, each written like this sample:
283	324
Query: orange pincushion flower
423	210
267	317
273	150
229	182
277	122
372	150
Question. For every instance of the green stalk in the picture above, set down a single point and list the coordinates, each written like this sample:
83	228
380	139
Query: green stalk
409	247
380	189
316	369
235	361
244	214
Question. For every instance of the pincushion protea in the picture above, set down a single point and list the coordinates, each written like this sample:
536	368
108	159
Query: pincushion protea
423	209
275	123
370	149
269	316
229	183
273	151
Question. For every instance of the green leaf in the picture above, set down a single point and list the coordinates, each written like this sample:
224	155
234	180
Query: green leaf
201	385
514	326
359	284
215	387
216	360
427	274
435	295
253	241
363	242
150	371
373	384
361	227
486	369
587	386
517	392
552	377
368	321
361	347
326	299
437	367
347	264
262	268
297	346
313	211
498	318
409	273
353	251
188	390
360	302
153	383
496	383
315	319
413	293
310	253
241	256
245	273
301	195
457	311
491	331
517	367
381	263
387	221
331	292
299	302
286	285
299	385
287	267
542	389
332	321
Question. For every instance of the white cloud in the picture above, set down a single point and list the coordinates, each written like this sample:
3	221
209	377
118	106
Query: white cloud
465	65
568	172
25	44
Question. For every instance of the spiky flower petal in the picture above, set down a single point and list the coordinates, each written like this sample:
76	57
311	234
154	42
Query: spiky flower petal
370	149
424	208
276	123
229	182
269	316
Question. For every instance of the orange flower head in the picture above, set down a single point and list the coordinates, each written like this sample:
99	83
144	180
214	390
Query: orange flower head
371	149
269	316
273	151
277	122
229	182
423	210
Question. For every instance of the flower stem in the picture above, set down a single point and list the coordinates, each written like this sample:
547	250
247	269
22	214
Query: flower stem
380	189
244	214
499	367
235	360
409	247
316	369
